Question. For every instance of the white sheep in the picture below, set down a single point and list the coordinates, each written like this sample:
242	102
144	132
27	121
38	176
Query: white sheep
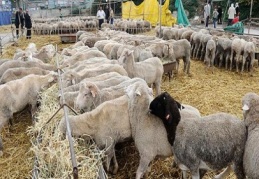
73	82
91	95
210	53
17	73
211	142
69	76
15	64
180	49
80	56
18	94
250	103
249	52
151	70
104	126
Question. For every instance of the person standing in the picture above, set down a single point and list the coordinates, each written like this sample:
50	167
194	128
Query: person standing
28	24
219	15
207	14
231	14
19	20
237	9
215	17
107	13
100	16
111	15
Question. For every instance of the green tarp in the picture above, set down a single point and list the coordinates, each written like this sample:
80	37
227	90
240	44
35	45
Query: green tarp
181	16
237	28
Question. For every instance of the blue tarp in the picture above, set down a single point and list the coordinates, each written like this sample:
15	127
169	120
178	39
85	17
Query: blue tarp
5	18
181	16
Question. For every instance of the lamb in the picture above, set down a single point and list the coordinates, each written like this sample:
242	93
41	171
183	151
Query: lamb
68	76
180	49
250	102
210	53
113	53
46	53
15	64
101	43
237	47
249	51
98	122
148	131
90	95
151	70
18	94
223	49
73	82
17	73
211	142
66	66
79	56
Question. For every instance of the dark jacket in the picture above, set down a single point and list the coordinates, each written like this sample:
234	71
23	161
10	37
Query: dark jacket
220	11
19	18
28	23
107	13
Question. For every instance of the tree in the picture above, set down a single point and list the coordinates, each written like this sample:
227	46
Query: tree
189	5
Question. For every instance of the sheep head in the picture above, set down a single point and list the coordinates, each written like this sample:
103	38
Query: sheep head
250	106
166	108
86	96
126	53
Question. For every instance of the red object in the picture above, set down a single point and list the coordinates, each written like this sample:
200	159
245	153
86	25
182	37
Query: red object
235	20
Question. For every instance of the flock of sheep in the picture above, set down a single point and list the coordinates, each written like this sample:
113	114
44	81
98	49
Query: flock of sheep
88	23
107	77
216	48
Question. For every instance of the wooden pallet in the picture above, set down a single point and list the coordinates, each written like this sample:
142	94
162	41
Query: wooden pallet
68	38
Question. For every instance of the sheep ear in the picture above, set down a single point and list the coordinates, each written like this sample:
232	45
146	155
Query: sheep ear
138	93
245	107
93	90
51	79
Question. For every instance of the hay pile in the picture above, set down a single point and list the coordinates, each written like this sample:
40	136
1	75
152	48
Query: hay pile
16	160
53	153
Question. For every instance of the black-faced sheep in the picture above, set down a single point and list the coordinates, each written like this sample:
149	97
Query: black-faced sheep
211	142
148	131
250	103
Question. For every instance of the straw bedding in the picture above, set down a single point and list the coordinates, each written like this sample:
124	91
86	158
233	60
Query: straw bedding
210	93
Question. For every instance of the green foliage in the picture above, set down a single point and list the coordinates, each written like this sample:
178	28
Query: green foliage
189	5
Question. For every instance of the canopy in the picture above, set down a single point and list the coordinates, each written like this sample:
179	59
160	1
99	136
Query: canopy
148	10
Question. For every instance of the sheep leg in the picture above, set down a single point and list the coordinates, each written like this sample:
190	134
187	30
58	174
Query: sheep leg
224	174
157	87
196	174
252	64
116	166
231	59
143	166
243	62
237	62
